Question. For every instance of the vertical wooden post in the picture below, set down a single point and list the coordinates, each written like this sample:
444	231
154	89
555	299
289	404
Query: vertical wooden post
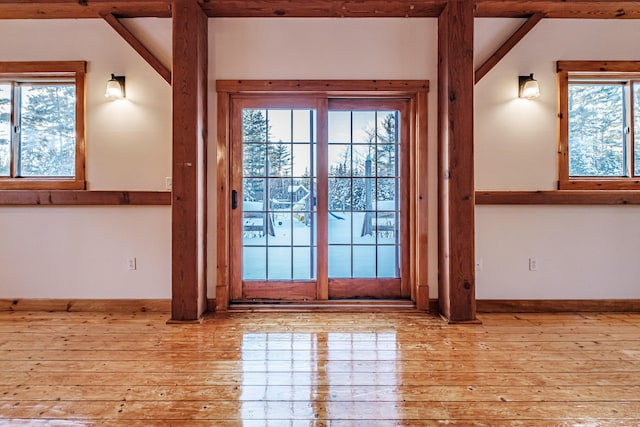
189	199
421	156
456	255
223	204
322	206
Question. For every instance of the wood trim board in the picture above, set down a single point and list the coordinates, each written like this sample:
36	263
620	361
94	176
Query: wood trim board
558	306
164	305
85	305
83	198
558	197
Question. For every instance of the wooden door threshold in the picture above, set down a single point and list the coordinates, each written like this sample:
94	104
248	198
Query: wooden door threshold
324	305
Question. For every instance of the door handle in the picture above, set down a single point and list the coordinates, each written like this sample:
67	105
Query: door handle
234	199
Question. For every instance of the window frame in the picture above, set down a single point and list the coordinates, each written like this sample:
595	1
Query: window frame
594	71
50	71
414	90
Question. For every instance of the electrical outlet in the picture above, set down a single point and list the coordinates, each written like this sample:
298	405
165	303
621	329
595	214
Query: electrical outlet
479	264
168	183
131	263
533	264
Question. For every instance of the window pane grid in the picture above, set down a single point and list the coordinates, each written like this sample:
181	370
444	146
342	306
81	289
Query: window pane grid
363	194
279	221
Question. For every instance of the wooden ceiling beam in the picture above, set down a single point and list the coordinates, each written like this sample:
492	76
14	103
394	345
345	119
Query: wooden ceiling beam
62	9
586	9
76	9
139	47
507	46
324	8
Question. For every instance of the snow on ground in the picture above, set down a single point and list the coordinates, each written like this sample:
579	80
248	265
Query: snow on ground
290	254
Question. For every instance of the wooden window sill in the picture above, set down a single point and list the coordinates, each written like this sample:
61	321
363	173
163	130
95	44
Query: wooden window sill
599	184
29	184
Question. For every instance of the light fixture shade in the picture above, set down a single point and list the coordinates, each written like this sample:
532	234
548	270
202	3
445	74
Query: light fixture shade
115	88
528	87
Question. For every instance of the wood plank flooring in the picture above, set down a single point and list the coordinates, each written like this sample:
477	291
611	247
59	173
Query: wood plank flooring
319	369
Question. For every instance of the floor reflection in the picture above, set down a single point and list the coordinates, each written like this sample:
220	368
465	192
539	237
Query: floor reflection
293	379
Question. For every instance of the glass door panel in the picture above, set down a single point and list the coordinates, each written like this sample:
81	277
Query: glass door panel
364	192
279	218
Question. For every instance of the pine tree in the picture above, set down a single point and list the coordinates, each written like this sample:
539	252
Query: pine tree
254	138
47	126
340	184
280	163
47	130
383	139
596	138
387	147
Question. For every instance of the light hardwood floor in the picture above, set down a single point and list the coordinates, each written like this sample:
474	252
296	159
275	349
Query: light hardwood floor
320	369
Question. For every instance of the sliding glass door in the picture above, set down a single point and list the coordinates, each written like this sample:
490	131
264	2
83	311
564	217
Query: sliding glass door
318	199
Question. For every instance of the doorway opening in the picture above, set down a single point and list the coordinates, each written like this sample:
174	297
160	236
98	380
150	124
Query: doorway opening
322	195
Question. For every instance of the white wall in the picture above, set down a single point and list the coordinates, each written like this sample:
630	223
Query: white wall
81	252
129	143
328	49
582	252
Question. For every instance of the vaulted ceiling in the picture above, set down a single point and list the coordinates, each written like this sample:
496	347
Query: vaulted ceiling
601	9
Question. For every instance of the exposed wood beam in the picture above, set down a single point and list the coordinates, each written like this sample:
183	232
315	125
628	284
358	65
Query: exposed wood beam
73	9
324	8
189	227
502	51
456	286
137	45
37	9
83	198
585	9
604	9
558	197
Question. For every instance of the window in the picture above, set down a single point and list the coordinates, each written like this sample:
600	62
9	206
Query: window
599	111
42	125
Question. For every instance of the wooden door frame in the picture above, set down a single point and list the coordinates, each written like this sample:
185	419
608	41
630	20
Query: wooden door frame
416	91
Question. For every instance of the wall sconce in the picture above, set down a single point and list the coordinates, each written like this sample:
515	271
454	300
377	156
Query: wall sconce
528	87
115	88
